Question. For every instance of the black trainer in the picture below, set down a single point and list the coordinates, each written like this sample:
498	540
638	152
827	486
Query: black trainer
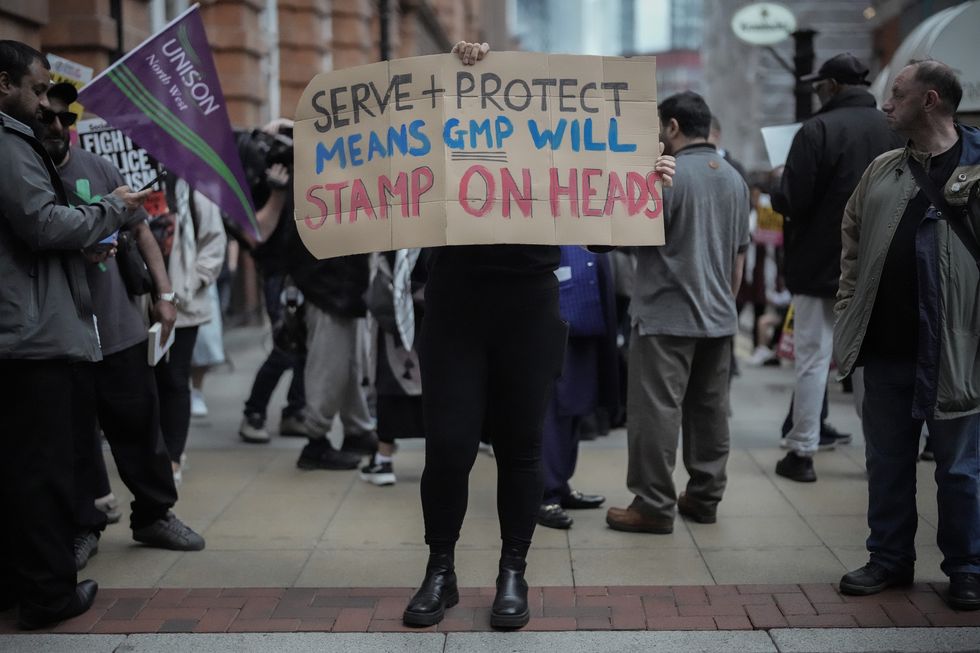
873	578
964	591
364	444
86	546
552	515
320	454
796	468
828	432
169	533
378	473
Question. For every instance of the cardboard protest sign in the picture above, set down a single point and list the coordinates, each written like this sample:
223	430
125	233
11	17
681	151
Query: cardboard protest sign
137	167
520	148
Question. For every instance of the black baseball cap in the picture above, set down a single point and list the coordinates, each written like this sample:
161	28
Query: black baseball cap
63	91
845	68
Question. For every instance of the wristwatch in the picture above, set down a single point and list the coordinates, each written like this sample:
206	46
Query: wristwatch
168	297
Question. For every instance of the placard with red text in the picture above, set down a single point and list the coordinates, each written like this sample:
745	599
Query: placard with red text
519	148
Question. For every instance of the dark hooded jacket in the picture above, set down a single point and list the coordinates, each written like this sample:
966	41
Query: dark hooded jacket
828	156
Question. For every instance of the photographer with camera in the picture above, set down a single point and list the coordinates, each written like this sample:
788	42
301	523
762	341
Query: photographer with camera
329	295
267	156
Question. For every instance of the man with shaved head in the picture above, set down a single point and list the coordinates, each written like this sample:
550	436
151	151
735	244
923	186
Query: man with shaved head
907	311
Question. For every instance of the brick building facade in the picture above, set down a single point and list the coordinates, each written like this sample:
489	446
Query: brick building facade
266	51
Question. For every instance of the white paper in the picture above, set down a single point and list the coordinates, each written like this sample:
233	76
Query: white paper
778	139
155	349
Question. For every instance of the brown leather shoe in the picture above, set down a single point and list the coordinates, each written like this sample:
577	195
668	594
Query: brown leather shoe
632	520
691	510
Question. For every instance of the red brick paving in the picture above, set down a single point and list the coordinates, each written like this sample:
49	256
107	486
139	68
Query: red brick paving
722	607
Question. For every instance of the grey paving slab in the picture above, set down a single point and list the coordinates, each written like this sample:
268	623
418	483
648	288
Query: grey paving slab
267	523
612	642
775	565
877	640
288	642
60	643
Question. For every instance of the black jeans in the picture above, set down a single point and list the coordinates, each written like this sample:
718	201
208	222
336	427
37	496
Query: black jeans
278	362
124	396
491	352
38	404
173	375
892	438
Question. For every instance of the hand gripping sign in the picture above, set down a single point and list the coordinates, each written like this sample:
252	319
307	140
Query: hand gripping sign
521	148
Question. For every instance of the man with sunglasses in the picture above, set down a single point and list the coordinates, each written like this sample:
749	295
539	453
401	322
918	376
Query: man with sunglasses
123	392
46	330
825	162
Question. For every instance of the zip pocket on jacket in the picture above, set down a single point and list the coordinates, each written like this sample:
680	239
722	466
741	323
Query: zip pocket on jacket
33	301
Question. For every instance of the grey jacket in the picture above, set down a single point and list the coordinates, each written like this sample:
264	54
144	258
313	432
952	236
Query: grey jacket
947	380
193	270
45	305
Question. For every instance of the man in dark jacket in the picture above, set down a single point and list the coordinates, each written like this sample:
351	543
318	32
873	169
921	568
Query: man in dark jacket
826	160
46	328
333	291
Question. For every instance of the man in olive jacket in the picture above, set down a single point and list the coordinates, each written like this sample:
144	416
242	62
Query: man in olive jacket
825	162
907	311
46	327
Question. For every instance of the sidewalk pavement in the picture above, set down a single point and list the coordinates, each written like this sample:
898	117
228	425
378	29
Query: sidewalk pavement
291	550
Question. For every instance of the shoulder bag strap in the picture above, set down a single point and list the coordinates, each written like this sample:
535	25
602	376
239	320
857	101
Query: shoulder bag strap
945	210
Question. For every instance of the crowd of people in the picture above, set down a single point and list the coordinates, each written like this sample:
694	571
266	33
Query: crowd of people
519	350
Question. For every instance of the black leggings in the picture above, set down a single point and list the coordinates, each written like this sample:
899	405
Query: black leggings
491	352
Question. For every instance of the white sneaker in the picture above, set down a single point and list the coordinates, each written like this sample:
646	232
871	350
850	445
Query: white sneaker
380	474
761	355
253	429
198	407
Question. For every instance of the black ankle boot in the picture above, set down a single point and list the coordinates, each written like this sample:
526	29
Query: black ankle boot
438	592
510	604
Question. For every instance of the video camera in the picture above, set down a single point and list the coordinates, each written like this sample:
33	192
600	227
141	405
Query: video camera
259	151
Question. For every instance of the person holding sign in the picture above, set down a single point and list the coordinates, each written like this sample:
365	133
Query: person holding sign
491	347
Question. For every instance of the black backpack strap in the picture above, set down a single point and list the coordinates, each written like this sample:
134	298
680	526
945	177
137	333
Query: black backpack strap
945	211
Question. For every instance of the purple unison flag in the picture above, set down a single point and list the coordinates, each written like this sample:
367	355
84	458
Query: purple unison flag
165	95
